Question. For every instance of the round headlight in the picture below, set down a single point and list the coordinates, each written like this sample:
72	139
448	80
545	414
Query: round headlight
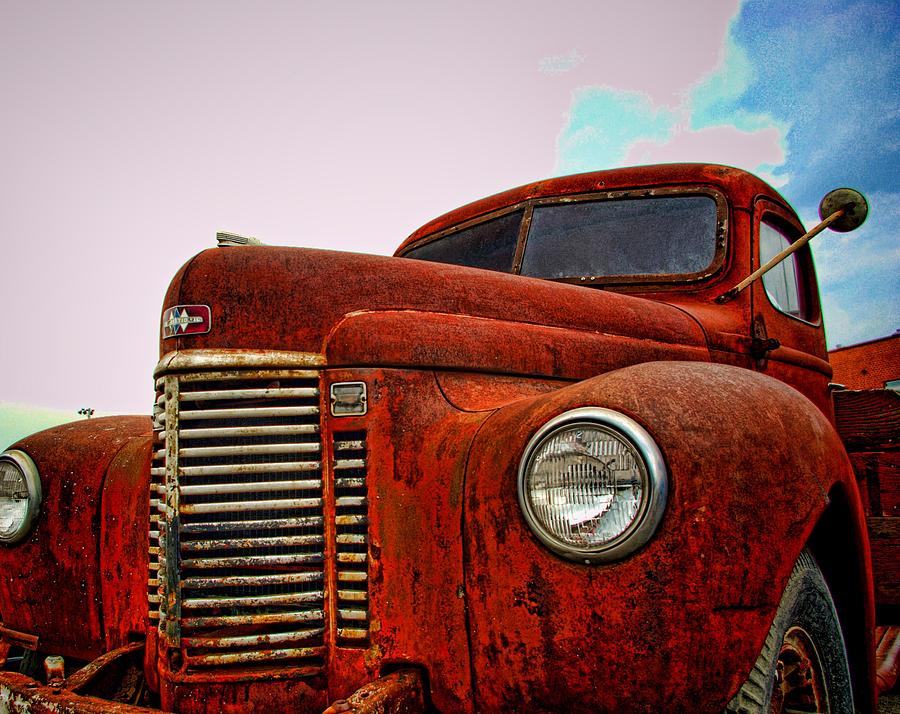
592	485
20	495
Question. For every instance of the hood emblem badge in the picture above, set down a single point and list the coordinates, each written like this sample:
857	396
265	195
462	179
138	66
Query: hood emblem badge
186	320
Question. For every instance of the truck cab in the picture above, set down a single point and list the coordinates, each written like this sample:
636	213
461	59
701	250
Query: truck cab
539	459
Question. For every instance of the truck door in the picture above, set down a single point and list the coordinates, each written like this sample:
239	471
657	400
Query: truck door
787	331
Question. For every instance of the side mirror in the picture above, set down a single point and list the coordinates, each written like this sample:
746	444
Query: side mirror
852	203
841	210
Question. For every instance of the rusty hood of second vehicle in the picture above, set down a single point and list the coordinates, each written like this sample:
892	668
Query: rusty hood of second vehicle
365	310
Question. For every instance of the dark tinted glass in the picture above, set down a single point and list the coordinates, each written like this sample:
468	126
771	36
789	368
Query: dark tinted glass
670	235
490	245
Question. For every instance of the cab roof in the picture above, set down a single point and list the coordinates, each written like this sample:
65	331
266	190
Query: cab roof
740	186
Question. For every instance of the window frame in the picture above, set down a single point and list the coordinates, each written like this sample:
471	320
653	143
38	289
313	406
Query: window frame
807	294
528	206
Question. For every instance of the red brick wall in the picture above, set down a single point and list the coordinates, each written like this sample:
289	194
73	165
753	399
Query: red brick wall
868	365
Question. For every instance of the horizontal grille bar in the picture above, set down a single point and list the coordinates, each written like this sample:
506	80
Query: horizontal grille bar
291	599
227	581
248	450
252	487
246	413
353	614
207	396
238	506
248	657
275	618
231	469
241	431
352	633
285	541
342	464
279	638
250	561
266	524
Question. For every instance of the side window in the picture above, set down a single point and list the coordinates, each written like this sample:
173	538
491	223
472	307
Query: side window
490	245
782	282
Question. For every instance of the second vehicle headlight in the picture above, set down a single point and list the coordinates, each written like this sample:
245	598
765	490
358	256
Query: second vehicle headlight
592	485
20	495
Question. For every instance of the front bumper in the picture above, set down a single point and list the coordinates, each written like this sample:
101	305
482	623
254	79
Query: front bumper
400	692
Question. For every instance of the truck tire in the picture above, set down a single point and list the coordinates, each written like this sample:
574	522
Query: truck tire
803	664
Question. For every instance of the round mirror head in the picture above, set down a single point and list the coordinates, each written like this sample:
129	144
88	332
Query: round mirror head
855	209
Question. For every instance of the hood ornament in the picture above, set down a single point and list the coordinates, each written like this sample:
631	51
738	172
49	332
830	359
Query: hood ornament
232	239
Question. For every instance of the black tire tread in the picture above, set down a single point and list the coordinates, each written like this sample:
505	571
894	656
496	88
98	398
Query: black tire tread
754	695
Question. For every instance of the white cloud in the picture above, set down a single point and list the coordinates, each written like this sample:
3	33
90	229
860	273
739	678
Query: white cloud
718	144
559	64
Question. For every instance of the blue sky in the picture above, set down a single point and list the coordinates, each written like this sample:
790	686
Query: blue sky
807	94
136	132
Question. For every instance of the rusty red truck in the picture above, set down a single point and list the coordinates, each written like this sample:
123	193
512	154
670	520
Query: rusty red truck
551	456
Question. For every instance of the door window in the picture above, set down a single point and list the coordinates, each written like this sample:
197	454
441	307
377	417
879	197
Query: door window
782	283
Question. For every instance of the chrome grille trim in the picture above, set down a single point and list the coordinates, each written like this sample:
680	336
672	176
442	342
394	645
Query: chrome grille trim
237	515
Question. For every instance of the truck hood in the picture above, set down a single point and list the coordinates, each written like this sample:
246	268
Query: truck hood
365	310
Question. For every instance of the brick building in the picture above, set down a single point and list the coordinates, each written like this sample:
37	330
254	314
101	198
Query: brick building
869	365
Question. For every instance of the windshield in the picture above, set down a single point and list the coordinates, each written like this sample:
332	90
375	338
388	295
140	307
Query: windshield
666	236
647	236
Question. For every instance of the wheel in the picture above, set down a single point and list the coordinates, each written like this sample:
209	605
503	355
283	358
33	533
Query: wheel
803	663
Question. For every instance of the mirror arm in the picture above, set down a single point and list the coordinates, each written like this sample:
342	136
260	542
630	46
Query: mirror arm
732	293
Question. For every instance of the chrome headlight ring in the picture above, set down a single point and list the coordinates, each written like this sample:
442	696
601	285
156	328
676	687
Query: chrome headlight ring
20	495
592	485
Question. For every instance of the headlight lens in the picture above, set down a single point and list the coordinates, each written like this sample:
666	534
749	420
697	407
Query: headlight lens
20	495
592	485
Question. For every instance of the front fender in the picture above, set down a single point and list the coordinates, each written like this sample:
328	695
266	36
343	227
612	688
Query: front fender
78	558
681	621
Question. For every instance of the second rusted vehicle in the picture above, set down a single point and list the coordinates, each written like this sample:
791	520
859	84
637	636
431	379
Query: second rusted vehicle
535	461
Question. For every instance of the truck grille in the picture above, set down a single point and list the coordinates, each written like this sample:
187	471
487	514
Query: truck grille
238	533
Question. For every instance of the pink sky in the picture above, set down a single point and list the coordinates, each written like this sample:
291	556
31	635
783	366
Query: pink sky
133	132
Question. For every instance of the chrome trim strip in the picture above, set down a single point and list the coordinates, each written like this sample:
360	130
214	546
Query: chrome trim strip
238	359
208	396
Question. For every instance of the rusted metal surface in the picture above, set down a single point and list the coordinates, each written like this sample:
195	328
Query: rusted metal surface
699	597
123	544
83	678
397	693
370	599
419	552
61	557
22	695
10	636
